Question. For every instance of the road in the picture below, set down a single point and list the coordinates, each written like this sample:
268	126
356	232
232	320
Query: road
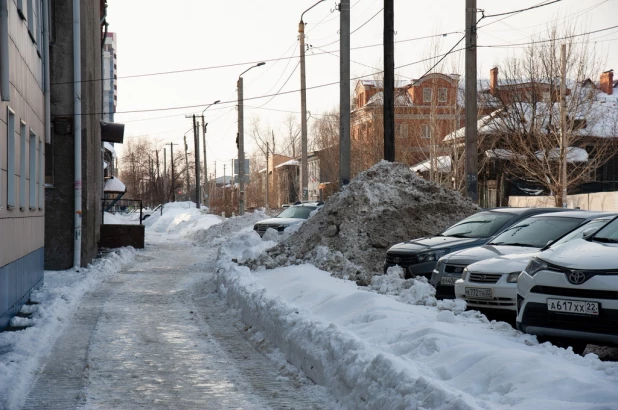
157	336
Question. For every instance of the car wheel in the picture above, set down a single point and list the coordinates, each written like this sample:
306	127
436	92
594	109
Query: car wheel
145	217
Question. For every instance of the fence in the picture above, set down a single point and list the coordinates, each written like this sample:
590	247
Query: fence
121	206
599	201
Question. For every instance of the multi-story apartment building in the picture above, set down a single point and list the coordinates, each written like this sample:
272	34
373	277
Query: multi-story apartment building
110	87
22	151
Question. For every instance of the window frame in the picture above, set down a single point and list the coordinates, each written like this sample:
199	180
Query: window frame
440	91
427	94
402	131
32	170
425	131
23	131
20	9
41	176
10	159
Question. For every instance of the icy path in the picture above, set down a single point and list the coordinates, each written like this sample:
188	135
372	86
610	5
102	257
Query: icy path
155	336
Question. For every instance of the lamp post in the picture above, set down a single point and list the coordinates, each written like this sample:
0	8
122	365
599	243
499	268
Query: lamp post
241	142
204	124
304	172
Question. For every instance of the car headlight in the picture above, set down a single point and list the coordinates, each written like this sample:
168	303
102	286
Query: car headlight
440	263
535	265
512	277
431	256
464	275
281	228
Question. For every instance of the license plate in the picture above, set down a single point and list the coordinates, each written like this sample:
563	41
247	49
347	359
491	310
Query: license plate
573	306
479	293
448	281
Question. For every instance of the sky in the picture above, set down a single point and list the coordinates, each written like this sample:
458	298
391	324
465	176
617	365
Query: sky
213	42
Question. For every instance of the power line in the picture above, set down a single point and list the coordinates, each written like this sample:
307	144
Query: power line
547	41
543	4
283	85
365	23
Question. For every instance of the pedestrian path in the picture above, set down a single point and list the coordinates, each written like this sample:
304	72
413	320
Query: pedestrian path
155	336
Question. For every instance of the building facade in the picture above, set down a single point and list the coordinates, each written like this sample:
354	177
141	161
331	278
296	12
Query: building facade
22	153
110	87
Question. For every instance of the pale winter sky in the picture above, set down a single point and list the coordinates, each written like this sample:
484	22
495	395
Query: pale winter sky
156	36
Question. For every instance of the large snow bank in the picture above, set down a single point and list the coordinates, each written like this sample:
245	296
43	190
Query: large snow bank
181	220
382	206
374	352
21	353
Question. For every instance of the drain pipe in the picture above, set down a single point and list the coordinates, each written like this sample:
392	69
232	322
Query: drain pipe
46	67
5	84
77	112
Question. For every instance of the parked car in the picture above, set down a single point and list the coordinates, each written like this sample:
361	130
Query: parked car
147	212
291	215
492	283
528	235
418	257
570	293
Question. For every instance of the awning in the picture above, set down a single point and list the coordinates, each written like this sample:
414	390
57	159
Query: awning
114	186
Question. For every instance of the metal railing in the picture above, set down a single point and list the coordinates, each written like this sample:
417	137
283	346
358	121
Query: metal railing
121	207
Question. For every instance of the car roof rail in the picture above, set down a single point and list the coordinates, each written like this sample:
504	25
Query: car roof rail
297	203
320	203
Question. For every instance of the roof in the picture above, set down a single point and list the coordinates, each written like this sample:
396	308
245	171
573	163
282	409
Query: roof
114	185
523	211
401	100
291	162
108	146
380	83
443	165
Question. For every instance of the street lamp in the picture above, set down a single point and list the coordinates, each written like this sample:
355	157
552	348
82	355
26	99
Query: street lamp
204	124
304	172
241	141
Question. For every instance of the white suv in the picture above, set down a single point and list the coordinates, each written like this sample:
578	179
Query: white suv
293	215
571	293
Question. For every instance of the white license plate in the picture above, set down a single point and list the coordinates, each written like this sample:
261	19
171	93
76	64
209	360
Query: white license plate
479	293
573	306
448	281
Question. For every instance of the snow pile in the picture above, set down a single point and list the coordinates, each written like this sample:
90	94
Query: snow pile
382	206
216	234
121	219
22	353
247	245
416	291
181	220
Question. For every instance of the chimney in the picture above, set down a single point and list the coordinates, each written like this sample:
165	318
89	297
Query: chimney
493	80
607	82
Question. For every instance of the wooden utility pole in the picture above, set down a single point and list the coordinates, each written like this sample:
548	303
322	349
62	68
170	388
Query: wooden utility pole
344	92
172	187
267	147
563	126
187	166
198	186
389	80
206	190
471	104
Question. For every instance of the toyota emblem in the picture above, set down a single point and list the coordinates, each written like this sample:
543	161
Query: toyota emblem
458	270
577	277
396	259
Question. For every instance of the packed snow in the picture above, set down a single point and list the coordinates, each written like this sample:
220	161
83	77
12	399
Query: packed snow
389	344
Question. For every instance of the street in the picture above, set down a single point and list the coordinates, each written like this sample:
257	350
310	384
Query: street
157	336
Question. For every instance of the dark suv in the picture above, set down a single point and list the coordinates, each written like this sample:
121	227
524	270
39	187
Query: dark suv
419	256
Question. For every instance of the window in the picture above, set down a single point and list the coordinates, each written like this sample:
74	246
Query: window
426	94
402	131
32	173
10	160
22	165
20	9
442	94
41	177
31	19
426	131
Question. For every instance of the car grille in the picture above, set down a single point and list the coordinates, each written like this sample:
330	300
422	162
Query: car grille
484	277
403	260
445	292
454	268
262	228
576	293
536	314
495	302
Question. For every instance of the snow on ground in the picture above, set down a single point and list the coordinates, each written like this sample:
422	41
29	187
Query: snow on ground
383	205
131	218
22	352
180	220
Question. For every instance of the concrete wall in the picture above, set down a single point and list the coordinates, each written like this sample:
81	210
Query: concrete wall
21	225
601	201
59	225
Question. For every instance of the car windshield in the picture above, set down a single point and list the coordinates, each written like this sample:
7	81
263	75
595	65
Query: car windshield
536	232
300	212
480	225
578	232
608	234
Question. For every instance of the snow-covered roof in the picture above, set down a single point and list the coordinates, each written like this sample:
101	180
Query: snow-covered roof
574	154
401	100
108	146
443	165
291	162
114	185
499	153
380	83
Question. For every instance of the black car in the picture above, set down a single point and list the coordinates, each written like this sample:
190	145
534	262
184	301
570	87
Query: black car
418	257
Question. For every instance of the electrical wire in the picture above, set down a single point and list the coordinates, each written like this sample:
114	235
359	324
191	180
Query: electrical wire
546	41
543	4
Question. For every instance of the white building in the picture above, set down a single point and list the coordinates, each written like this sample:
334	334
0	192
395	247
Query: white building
110	88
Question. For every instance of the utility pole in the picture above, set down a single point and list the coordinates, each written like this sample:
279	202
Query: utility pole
164	161
304	170
187	166
344	92
471	104
389	80
267	174
206	193
563	125
173	188
198	182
